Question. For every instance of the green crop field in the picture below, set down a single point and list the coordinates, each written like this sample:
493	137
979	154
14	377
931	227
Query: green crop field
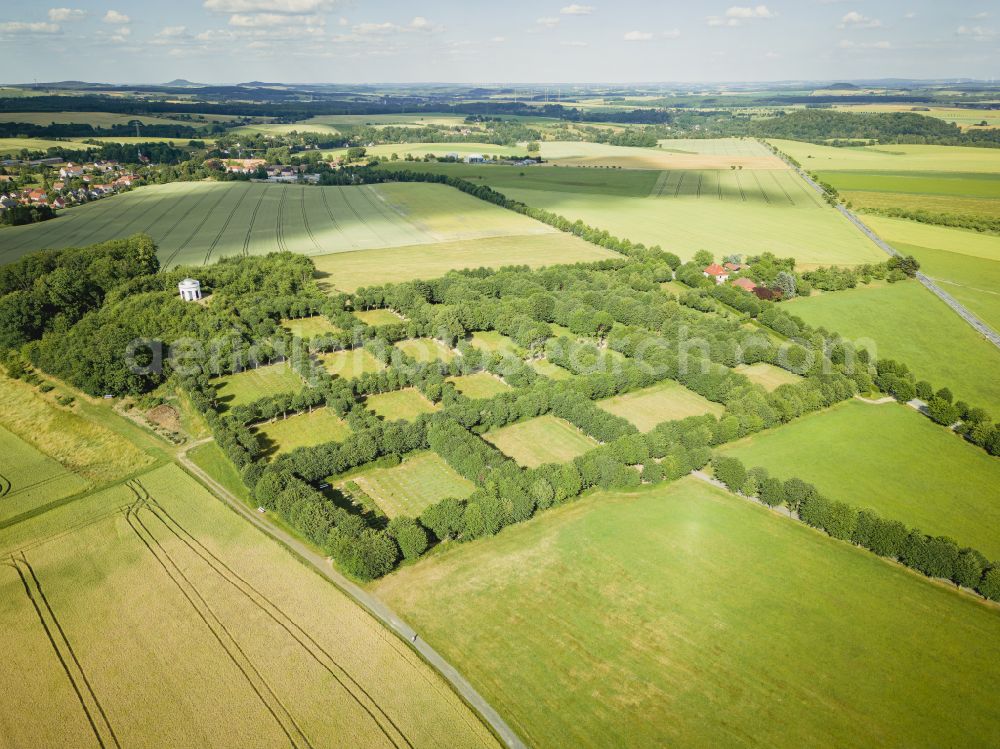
419	150
422	479
963	117
768	375
664	401
904	321
247	386
679	615
922	184
212	619
479	385
892	460
307	327
302	430
13	146
286	129
419	118
349	271
29	478
545	439
426	349
677	154
350	363
97	119
197	222
406	404
892	158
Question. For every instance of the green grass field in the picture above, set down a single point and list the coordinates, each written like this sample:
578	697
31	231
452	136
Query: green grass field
493	342
350	363
664	401
550	370
303	430
97	119
426	349
891	158
14	146
904	321
197	222
545	439
307	327
409	488
210	617
479	385
672	154
378	317
349	271
892	460
406	404
247	386
768	375
961	116
419	150
30	479
682	616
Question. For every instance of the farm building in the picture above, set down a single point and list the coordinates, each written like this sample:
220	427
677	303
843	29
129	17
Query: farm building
716	272
744	283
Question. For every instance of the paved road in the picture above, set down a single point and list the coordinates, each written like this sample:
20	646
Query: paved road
985	330
366	600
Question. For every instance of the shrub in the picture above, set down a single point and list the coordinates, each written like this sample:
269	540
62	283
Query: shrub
730	471
411	538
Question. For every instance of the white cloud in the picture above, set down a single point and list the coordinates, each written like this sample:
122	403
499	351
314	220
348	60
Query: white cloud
671	34
548	22
573	44
61	15
292	7
720	21
577	10
858	21
848	44
741	11
366	29
171	32
343	21
909	15
498	39
268	20
113	16
981	15
976	33
32	27
637	36
771	56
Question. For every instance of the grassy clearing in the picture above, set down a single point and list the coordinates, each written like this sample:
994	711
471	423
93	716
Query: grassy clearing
97	119
545	439
664	401
243	606
246	387
29	478
378	317
421	118
13	146
406	404
495	343
348	271
768	375
687	154
350	363
426	349
949	184
419	150
592	623
307	327
479	385
893	460
90	450
303	430
964	118
904	321
892	158
550	370
409	488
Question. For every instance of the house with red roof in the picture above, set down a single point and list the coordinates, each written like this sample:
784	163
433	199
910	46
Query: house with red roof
716	272
743	283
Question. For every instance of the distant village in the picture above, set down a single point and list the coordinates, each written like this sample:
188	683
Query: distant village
77	183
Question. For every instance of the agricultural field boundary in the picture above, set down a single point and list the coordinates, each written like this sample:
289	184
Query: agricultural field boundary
981	327
374	606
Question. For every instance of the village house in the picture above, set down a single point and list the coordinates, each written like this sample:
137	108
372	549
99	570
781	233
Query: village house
744	283
71	171
244	166
716	272
734	267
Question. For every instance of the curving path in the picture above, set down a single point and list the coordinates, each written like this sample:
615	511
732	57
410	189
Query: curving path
981	327
366	600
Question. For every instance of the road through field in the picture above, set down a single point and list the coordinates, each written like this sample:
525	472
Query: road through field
991	335
370	603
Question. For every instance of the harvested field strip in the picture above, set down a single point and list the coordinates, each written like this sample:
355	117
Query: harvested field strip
308	644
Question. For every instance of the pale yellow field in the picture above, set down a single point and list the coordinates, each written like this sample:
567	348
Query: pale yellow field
964	118
585	154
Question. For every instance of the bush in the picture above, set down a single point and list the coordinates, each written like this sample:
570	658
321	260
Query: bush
411	538
366	556
729	471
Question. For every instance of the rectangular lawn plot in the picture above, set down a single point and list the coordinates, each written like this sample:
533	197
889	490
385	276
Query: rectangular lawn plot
377	317
29	479
665	401
307	327
546	439
768	375
493	342
246	387
550	370
421	480
350	363
303	430
426	349
479	385
400	404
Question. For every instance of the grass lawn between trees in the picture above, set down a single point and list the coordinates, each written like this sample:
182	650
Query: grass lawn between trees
665	401
479	385
544	439
890	459
679	615
246	387
422	479
407	404
303	430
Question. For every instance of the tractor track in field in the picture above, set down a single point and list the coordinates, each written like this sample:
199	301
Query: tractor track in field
767	198
253	217
216	628
701	177
197	201
194	232
97	718
279	232
225	225
305	219
680	182
781	187
361	219
25	487
333	218
5	486
739	185
277	615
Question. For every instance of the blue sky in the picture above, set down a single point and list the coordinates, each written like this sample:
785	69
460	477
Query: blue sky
228	41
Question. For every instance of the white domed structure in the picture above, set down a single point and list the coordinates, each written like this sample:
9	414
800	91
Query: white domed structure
190	290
